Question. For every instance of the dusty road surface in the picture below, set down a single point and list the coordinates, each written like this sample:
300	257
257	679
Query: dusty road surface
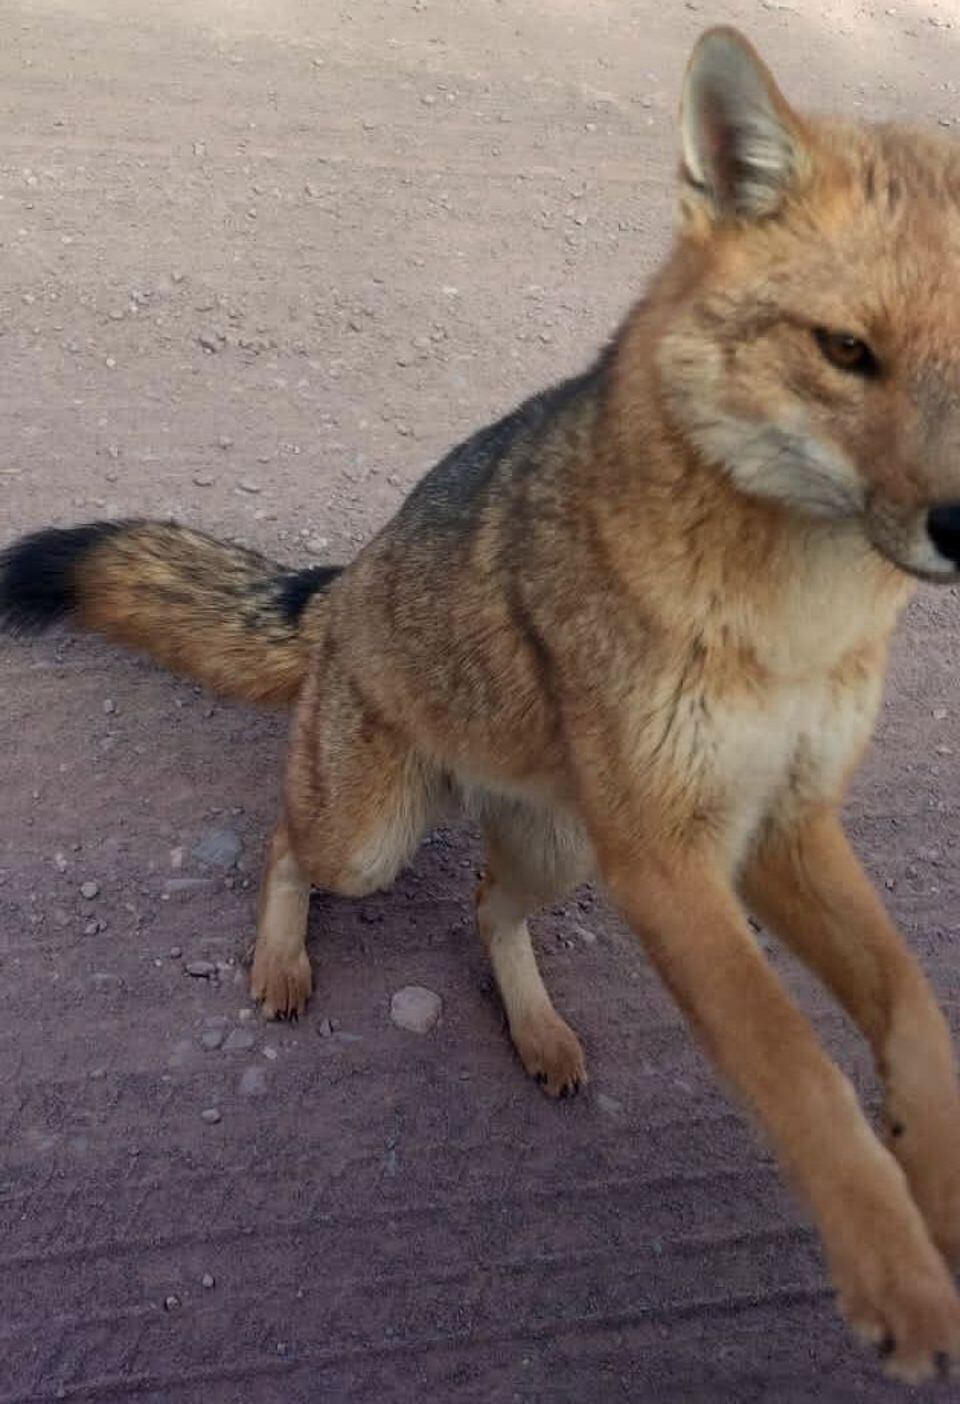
262	262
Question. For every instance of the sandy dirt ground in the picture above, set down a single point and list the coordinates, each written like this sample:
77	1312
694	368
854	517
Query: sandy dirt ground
261	263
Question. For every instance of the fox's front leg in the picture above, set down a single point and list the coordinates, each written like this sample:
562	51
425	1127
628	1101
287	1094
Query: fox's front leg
893	1285
807	885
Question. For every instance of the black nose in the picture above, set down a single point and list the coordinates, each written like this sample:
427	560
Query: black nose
943	524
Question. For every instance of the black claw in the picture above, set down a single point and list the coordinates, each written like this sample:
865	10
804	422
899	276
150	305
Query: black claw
887	1346
942	1361
897	1128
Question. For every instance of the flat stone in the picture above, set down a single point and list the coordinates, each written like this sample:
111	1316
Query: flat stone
220	848
610	1105
253	1083
415	1009
184	886
239	1041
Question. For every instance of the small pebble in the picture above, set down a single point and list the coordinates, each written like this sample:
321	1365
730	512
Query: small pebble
211	1039
175	952
208	1280
171	1303
271	1054
89	890
326	1028
246	486
109	707
210	1115
201	969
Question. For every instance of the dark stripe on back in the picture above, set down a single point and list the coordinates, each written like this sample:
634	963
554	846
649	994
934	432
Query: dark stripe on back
447	496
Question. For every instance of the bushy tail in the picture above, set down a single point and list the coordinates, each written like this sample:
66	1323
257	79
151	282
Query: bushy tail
209	610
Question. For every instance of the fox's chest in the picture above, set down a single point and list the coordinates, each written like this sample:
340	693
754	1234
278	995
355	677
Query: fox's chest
779	713
775	762
739	759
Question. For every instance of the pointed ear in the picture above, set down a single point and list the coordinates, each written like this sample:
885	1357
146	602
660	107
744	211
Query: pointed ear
743	147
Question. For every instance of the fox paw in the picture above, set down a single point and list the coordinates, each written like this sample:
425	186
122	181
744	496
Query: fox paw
904	1302
551	1052
282	984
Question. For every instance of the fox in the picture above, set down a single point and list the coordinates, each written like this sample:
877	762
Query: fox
637	631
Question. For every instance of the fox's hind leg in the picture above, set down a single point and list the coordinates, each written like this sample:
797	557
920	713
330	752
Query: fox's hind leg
529	862
281	978
358	799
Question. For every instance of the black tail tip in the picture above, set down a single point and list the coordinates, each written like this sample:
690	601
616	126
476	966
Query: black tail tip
38	574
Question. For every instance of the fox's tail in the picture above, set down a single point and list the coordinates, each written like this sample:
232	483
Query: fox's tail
215	612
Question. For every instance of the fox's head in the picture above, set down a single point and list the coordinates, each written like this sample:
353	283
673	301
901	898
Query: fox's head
813	346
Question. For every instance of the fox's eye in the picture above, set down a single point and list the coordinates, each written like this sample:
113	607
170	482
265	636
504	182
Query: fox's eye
846	352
